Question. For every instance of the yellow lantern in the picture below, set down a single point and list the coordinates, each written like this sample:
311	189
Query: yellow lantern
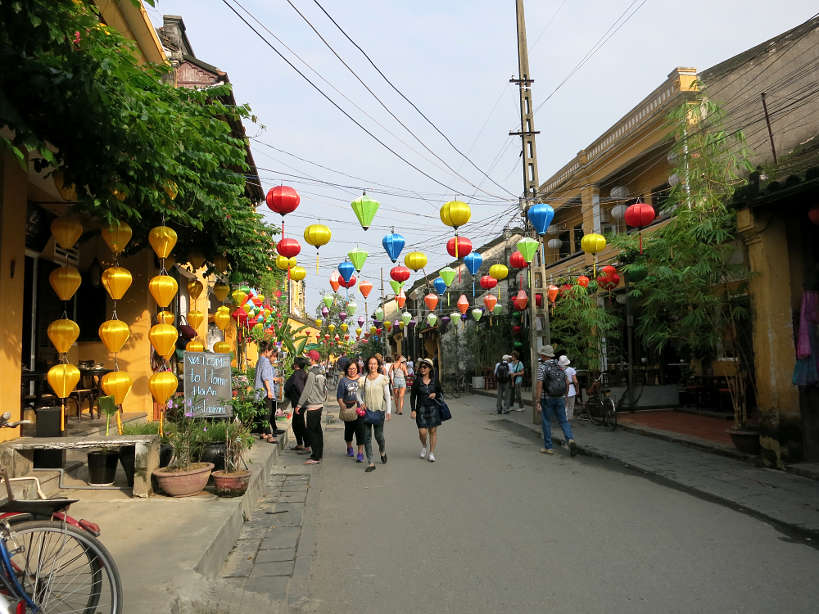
318	323
297	273
195	318
116	384
283	263
317	235
455	213
498	271
387	325
331	328
66	231
65	280
593	243
344	327
162	240
163	288
67	192
358	332
220	291
194	345
116	281
239	297
165	317
63	379
114	334
116	236
222	347
222	319
195	288
220	263
246	307
163	385
415	260
197	259
163	337
63	333
373	330
170	187
260	297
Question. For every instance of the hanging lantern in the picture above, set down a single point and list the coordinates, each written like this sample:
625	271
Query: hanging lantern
365	209
358	332
344	327
400	273
396	286
813	216
283	264
487	282
282	199
517	261
439	284
431	301
194	345
552	293
116	281
239	296
195	318
325	311
520	301
195	288
317	235
528	248
462	304
163	288
401	299
346	270
357	257
379	314
63	333
165	317
222	347
609	278
539	299
432	319
388	326
220	263
116	384
297	273
196	259
64	281
415	260
163	385
289	248
473	262
640	215
349	283
220	291
477	313
361	320
464	247
114	334
365	287
222	319
455	213
67	231
618	212
489	301
342	315
406	317
163	339
582	280
393	243
327	299
351	308
516	329
593	244
63	378
162	240
448	275
373	330
497	310
116	236
554	243
498	271
540	216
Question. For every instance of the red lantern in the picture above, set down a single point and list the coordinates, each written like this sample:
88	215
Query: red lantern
517	261
813	215
326	336
335	281
539	300
399	273
464	247
490	300
240	315
552	293
520	301
583	281
608	278
282	199
565	288
640	215
516	329
431	301
347	284
257	301
289	248
487	282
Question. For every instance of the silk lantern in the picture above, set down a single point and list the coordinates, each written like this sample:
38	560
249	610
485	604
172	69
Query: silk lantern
116	384
63	333
477	313
415	260
220	291
116	281
517	261
114	334
593	244
487	282
439	284
365	209
393	243
464	247
67	231
498	271
163	288
165	317
358	332
520	301
63	378
116	236
365	287
163	339
401	299
388	326
162	240
396	286
289	248
283	264
163	385
582	280
431	301
221	319
195	318
349	283
400	273
473	262
220	263
297	273
540	216
552	293
609	278
448	275
239	296
334	277
194	345
640	215
490	300
431	319
462	304
222	347
528	248
358	257
406	317
379	314
346	270
497	310
64	281
282	199
195	288
317	235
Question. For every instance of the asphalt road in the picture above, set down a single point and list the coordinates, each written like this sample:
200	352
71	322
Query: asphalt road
494	526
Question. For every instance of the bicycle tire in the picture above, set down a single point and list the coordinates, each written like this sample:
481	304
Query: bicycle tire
609	414
595	410
75	549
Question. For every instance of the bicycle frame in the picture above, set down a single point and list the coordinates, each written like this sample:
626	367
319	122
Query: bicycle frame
9	575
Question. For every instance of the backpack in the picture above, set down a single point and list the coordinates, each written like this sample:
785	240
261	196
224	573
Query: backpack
554	380
503	372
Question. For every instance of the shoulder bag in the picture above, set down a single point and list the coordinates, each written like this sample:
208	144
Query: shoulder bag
443	409
370	416
348	414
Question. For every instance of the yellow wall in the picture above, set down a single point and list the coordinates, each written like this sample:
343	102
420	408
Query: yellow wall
133	22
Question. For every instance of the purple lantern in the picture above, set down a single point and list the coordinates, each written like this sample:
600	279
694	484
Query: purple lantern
396	323
361	320
342	315
325	312
444	323
411	323
464	317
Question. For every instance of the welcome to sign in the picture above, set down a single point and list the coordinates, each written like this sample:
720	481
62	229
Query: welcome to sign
208	389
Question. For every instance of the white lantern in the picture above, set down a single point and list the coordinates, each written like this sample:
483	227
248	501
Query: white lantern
554	243
553	229
618	212
619	191
673	180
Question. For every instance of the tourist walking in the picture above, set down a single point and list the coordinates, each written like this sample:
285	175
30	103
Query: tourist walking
574	387
375	392
516	392
426	389
312	401
293	388
503	378
550	391
399	373
348	395
266	385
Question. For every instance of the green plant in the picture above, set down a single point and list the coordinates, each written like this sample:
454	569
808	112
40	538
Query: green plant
141	428
186	440
246	408
238	440
213	431
487	343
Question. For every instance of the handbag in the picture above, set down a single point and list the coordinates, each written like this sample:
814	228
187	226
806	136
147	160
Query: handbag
348	414
373	417
443	410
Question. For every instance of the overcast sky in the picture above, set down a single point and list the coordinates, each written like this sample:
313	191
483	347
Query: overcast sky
453	60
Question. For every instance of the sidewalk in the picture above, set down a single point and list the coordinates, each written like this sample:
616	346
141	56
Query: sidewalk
790	502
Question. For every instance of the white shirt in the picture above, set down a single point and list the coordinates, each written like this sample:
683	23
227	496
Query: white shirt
570	373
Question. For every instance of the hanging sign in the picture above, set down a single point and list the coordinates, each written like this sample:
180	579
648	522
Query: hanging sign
208	390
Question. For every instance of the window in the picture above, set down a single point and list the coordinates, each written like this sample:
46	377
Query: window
577	238
565	244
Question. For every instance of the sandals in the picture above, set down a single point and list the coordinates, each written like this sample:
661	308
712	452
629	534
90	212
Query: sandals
311	461
384	459
369	468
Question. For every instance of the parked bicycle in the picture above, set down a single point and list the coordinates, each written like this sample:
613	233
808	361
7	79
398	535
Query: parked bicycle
50	562
599	407
455	385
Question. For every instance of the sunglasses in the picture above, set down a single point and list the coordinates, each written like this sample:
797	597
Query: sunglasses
423	367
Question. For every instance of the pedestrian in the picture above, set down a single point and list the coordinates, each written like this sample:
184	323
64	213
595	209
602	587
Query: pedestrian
293	388
387	371
399	382
425	410
348	395
375	392
550	391
571	375
266	387
517	369
503	378
312	401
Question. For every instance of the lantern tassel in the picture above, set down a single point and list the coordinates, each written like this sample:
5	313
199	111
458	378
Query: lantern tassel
62	416
161	422
119	421
641	242
317	262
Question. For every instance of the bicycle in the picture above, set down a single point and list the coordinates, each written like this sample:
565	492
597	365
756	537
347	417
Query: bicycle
599	407
456	385
50	562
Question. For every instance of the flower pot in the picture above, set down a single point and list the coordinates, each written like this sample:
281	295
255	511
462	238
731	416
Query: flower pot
102	467
127	454
214	452
165	454
231	484
745	440
183	483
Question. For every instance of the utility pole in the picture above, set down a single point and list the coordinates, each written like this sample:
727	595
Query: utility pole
384	328
538	316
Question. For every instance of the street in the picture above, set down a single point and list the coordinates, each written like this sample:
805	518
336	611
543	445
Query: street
494	526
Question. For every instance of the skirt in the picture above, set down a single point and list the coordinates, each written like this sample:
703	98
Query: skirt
427	416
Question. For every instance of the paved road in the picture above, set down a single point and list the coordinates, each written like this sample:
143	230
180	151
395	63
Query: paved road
494	526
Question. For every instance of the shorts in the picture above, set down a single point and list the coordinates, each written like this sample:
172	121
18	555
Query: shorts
399	382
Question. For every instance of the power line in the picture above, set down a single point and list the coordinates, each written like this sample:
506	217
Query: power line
548	23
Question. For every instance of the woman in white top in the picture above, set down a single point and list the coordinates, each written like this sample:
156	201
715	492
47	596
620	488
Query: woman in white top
399	375
571	375
375	392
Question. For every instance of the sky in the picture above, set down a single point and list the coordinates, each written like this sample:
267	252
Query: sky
453	60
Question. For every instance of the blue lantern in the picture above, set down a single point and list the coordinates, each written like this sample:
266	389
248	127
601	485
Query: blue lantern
473	262
346	270
540	215
440	285
393	244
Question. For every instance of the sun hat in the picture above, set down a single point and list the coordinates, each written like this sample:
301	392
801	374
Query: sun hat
564	361
506	357
427	362
547	350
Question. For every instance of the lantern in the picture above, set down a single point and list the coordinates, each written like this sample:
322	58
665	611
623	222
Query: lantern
540	216
373	330
487	282
194	345
517	261
349	283
361	320
498	309
63	379
351	308
593	244
528	247
401	299
357	257
358	332
165	317
116	236
196	259
520	301
64	281
220	291
327	299
195	288
66	231
462	304
498	271
400	273
439	284
222	347
393	243
618	212
325	311
388	326
163	339
289	248
431	319
222	319
464	246
163	288
297	273
609	278
431	301
365	287
415	260
344	327
63	333
554	243
406	317
365	209
342	315
477	313
552	293
379	314
455	213
317	235
582	280
284	264
640	215
162	240
489	301
116	281
195	318
813	215
448	275
346	270
114	334
220	263
116	384
163	385
282	199
473	262
396	286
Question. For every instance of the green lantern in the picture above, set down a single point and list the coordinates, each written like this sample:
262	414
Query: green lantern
327	299
406	317
351	308
518	344
528	248
497	309
396	286
432	319
357	257
448	275
477	313
365	209
379	314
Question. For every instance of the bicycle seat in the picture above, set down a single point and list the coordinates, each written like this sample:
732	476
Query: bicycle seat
37	507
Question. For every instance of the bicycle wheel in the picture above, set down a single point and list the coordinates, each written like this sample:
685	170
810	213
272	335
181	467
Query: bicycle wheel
594	407
64	569
609	414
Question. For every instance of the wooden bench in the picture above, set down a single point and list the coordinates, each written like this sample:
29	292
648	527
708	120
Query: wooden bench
16	455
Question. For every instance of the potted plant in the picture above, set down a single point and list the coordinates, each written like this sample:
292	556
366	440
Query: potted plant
233	480
213	443
183	477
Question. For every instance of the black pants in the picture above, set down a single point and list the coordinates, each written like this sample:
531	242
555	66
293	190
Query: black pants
314	430
357	427
271	408
300	429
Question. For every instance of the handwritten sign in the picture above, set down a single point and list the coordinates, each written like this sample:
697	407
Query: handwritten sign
207	385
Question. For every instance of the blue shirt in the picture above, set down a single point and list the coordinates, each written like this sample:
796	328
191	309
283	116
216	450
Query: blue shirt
265	373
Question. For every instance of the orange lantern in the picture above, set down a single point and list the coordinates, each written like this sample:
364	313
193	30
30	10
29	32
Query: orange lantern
66	231
162	240
195	318
163	385
63	333
583	281
63	379
116	384
431	301
462	304
552	293
490	300
116	236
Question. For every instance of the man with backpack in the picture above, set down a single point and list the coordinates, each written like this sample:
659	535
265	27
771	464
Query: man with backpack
550	392
503	376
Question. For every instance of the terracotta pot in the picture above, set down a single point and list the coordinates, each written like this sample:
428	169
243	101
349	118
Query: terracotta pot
184	483
745	440
231	484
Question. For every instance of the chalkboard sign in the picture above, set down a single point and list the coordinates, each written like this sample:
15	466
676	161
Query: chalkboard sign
207	385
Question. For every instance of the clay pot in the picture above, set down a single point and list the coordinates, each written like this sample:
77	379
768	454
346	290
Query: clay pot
231	484
745	440
184	483
102	467
214	452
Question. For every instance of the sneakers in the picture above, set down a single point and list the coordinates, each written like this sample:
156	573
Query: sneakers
546	451
431	457
572	447
359	458
423	453
350	452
